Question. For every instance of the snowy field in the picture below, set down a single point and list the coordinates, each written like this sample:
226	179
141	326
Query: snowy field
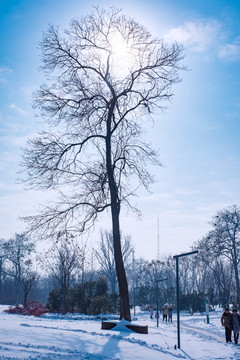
73	338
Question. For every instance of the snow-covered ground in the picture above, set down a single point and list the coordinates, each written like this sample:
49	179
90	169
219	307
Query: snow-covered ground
73	338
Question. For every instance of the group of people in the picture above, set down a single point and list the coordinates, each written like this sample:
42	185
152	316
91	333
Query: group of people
231	322
167	313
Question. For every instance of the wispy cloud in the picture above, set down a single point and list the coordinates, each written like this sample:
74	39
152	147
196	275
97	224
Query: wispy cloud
206	35
3	72
198	35
230	50
18	109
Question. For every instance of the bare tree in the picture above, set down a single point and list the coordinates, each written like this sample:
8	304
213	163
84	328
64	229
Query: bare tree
19	264
223	241
105	75
106	259
63	261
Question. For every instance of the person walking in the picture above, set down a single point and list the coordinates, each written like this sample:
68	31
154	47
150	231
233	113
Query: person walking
170	312
151	312
235	324
165	312
225	321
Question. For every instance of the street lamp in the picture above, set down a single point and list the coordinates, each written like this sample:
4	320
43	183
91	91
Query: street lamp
177	288
157	281
137	287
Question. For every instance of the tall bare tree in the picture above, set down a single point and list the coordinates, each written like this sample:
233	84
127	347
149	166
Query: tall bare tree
106	73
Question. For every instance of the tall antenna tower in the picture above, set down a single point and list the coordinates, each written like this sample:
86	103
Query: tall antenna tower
158	249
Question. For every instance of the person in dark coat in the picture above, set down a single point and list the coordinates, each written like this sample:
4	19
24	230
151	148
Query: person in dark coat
151	312
225	321
170	311
235	324
165	312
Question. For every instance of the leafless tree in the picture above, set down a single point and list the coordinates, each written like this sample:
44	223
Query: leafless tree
223	241
63	261
106	73
19	264
106	259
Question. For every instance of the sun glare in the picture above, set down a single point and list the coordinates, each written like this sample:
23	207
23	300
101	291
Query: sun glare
122	56
119	46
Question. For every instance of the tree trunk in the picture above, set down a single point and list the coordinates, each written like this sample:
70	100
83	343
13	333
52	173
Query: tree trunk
25	297
115	212
64	300
121	274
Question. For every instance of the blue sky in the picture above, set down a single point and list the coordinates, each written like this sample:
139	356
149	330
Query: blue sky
198	135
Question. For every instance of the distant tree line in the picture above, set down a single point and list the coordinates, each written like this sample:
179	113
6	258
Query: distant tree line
63	275
212	274
66	277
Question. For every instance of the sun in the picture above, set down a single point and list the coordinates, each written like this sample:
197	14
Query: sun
119	46
121	55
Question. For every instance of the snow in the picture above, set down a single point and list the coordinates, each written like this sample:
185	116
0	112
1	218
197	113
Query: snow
77	337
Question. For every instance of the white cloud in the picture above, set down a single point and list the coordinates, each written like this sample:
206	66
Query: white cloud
3	72
4	69
206	35
18	109
230	51
198	35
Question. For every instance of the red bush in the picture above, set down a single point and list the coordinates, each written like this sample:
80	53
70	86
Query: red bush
32	308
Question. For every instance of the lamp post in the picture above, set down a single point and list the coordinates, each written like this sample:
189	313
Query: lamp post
157	281
177	290
207	310
137	287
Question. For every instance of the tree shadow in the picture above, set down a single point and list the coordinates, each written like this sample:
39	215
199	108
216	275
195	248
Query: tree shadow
112	348
112	345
